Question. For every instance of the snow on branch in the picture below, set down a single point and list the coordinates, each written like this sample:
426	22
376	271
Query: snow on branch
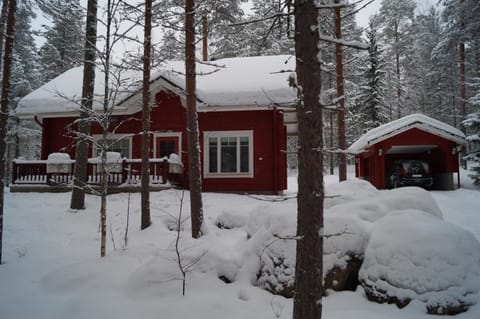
351	44
360	8
274	16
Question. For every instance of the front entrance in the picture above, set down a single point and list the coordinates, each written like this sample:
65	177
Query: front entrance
166	144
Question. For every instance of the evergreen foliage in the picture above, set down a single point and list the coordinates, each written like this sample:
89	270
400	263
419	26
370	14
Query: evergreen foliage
64	37
371	112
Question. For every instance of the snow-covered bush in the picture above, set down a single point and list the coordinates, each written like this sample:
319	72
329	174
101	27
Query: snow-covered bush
271	242
412	255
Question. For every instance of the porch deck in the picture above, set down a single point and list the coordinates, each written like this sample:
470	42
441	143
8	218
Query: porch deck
123	176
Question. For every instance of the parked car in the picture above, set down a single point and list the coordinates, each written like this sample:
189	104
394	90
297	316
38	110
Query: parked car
411	173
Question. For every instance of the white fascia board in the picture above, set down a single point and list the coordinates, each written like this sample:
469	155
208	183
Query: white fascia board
421	126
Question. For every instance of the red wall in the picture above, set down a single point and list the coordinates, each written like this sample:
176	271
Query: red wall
439	159
269	134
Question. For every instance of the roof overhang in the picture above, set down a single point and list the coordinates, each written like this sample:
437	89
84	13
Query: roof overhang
363	147
410	149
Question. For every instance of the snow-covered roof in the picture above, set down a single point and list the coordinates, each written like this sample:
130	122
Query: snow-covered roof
62	95
247	81
403	124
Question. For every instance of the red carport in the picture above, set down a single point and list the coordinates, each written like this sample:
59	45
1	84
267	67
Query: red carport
413	137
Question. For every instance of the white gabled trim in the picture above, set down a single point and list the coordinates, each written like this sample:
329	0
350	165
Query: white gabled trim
364	142
420	126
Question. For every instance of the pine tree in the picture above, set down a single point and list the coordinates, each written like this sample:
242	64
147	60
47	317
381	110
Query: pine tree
371	108
309	258
81	156
24	78
7	60
395	19
195	179
472	122
63	47
146	110
25	74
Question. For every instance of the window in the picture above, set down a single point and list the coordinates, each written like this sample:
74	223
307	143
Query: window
228	154
116	143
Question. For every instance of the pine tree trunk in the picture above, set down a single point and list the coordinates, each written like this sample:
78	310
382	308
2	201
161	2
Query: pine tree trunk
3	21
463	91
204	38
342	159
81	155
331	145
397	63
195	179
308	271
146	221
7	61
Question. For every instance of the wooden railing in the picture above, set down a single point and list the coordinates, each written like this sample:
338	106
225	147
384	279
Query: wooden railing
127	171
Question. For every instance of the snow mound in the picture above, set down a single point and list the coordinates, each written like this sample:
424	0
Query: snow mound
412	255
348	225
411	198
347	191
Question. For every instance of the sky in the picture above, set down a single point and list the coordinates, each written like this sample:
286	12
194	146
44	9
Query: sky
362	16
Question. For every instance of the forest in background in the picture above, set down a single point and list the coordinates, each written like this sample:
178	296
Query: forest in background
413	64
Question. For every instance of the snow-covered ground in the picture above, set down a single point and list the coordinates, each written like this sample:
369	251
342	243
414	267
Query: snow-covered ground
52	266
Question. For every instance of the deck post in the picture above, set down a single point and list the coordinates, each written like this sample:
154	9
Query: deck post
14	172
164	171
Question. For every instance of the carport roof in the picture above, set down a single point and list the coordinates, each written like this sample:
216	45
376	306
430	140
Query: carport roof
403	124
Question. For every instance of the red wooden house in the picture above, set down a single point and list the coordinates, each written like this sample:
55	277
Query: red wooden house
242	105
413	137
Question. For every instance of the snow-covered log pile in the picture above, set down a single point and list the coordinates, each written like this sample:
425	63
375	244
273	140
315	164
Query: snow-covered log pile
395	240
412	255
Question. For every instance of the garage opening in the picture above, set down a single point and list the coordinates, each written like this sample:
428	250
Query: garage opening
417	165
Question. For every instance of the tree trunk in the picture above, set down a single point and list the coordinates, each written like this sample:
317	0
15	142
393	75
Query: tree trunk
397	63
331	145
195	179
308	272
146	221
204	38
81	155
105	123
7	61
342	159
463	92
3	21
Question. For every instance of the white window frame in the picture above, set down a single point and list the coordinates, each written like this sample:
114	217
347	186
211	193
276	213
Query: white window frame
167	134
98	137
206	154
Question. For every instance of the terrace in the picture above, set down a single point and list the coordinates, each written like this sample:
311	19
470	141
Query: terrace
124	174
